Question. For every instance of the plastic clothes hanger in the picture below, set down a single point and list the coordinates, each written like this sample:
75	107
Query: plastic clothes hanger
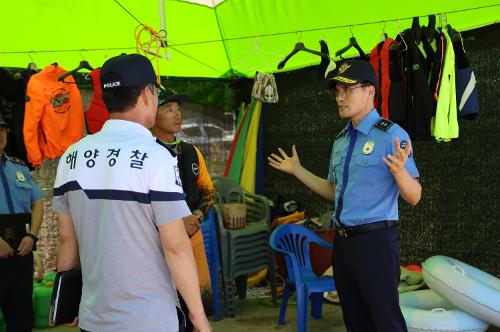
417	30
297	48
352	43
431	28
83	65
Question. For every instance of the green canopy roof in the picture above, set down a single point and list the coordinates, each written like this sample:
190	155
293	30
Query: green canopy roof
226	38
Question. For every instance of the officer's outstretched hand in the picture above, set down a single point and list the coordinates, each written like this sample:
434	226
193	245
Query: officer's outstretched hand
285	163
5	249
26	246
396	162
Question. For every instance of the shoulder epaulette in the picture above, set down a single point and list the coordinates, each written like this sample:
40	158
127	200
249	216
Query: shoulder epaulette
17	161
169	149
339	134
384	124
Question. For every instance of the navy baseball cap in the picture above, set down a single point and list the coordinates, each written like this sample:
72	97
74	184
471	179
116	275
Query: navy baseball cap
3	122
127	71
352	72
170	95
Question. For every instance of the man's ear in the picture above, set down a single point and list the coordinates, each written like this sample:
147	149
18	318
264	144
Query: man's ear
147	96
372	90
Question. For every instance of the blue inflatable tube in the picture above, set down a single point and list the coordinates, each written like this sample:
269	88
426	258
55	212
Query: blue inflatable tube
426	311
467	287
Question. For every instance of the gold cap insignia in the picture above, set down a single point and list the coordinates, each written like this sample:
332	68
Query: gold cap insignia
344	67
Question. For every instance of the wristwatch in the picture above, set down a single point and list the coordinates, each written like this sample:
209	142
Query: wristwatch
34	237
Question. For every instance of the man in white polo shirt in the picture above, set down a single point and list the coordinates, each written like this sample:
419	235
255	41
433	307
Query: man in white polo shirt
120	206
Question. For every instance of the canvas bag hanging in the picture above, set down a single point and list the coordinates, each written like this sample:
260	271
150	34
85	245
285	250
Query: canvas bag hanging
264	88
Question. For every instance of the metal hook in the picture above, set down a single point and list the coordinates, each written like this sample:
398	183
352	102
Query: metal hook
256	43
81	54
383	36
323	34
31	56
443	20
299	35
350	28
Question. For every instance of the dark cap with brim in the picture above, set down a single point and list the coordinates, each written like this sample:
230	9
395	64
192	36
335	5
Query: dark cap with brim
169	96
3	123
128	71
352	72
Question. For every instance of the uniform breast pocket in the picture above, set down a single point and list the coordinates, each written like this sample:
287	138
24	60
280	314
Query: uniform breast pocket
366	161
23	193
369	175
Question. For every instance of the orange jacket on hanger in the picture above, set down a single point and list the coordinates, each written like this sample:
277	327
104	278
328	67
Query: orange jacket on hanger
54	115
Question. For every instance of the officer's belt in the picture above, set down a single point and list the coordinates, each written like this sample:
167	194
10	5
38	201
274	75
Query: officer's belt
356	230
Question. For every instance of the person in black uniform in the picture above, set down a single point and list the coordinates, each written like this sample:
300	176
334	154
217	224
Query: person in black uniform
196	181
19	194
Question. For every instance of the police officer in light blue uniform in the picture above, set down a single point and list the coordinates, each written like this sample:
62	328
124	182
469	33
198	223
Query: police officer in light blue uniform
18	194
371	165
365	190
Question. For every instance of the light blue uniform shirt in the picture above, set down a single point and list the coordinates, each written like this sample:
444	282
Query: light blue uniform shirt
365	190
18	191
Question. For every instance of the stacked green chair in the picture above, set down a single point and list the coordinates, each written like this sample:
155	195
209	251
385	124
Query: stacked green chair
246	250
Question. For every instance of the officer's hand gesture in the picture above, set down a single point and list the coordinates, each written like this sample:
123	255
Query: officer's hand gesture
397	162
25	246
285	163
5	249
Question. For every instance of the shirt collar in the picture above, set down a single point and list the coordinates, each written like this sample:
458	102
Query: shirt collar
367	123
128	126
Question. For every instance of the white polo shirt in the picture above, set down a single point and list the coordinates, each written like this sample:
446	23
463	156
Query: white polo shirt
120	185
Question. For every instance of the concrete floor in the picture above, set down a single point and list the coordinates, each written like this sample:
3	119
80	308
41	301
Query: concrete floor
259	315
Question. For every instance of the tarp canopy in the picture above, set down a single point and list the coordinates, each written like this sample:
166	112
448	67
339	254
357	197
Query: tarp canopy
214	38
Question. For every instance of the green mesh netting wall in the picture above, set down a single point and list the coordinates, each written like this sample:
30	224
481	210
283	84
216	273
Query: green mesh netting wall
458	214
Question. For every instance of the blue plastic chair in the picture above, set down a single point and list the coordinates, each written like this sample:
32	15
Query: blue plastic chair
293	242
209	233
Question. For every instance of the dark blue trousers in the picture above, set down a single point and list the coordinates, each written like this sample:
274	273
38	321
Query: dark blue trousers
366	271
16	289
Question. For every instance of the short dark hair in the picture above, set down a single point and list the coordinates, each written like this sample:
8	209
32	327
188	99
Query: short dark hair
120	100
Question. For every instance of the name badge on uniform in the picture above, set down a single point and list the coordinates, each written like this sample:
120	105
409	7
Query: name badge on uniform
177	176
368	147
20	176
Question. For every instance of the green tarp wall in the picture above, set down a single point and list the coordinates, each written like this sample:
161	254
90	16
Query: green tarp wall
237	37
